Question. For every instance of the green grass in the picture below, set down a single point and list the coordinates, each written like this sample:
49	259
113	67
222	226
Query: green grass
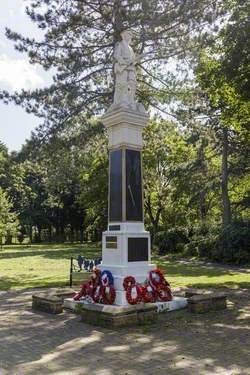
44	265
194	274
48	265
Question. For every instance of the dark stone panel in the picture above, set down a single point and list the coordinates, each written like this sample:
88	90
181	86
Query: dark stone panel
137	249
133	186
114	227
115	188
111	239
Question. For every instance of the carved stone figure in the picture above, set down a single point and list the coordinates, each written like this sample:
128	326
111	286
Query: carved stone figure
125	74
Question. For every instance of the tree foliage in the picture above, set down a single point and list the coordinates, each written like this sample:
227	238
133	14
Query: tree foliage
78	42
196	167
8	219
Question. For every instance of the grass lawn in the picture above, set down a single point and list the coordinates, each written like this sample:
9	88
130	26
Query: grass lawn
48	265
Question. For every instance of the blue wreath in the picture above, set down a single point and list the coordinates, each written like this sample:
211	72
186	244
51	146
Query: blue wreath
109	275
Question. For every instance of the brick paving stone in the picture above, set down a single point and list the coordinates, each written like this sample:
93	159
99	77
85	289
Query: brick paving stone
180	343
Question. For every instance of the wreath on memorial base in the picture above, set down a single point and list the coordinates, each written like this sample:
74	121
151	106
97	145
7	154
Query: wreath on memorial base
97	294
99	289
148	294
157	279
164	293
107	278
134	294
128	281
108	295
156	288
83	292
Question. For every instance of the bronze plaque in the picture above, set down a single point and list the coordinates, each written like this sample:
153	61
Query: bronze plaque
111	242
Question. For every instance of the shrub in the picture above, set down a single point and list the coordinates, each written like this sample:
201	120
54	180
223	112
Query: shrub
230	244
171	241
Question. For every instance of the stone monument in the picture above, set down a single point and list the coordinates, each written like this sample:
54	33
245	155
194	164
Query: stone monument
126	245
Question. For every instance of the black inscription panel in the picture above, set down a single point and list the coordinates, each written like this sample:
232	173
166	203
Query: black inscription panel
111	242
133	186
114	227
115	186
137	249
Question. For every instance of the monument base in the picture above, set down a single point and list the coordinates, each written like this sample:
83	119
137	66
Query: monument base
139	272
117	316
126	252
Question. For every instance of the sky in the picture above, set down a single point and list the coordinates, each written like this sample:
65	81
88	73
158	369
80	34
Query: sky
16	73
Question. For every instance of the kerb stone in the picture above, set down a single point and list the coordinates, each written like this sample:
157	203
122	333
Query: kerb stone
117	316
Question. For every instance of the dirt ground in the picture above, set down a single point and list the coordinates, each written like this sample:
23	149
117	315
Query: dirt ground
179	343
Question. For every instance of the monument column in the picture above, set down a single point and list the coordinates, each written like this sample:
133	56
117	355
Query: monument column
126	245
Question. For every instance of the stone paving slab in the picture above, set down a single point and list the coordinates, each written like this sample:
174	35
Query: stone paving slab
180	343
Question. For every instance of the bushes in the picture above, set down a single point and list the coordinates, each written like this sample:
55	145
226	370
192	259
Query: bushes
171	241
230	244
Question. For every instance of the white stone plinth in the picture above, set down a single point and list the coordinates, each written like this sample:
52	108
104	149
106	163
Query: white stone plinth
177	303
116	261
125	252
125	127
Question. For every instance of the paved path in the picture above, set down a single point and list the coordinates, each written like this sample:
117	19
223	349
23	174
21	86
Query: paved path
180	343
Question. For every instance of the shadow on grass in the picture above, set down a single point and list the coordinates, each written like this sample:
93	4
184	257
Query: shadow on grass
56	253
7	283
227	284
177	269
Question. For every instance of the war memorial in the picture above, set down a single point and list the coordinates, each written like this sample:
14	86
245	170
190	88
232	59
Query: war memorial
126	288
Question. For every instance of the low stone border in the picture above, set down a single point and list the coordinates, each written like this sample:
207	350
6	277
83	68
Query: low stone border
51	301
117	316
46	302
197	292
208	302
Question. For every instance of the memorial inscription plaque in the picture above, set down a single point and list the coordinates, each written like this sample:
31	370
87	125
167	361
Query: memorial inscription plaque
133	186
111	242
137	249
115	193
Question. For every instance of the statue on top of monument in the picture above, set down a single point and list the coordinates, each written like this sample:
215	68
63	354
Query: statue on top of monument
125	74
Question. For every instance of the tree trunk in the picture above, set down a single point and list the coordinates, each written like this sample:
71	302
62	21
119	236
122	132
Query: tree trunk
62	233
81	235
202	208
226	205
49	233
154	220
39	232
31	233
8	239
203	193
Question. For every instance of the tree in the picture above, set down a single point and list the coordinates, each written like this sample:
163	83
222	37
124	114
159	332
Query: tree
8	219
78	42
4	165
229	115
236	49
164	157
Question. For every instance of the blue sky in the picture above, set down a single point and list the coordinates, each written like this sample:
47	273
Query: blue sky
16	73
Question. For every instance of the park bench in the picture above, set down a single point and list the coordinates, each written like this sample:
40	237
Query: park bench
80	269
